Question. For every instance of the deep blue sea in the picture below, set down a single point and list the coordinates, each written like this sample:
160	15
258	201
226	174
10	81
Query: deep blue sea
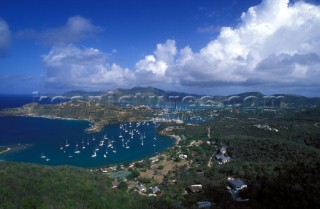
60	142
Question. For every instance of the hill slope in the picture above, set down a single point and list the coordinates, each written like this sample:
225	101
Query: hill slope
35	186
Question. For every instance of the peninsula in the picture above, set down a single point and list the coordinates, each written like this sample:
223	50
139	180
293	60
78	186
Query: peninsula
99	115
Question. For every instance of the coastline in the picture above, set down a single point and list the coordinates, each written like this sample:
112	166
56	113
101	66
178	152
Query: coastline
14	148
176	137
93	126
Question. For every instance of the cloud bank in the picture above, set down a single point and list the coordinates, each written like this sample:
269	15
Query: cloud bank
4	37
275	45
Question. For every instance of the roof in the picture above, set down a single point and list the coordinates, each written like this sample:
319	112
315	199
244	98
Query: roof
155	189
204	204
237	184
141	187
195	188
223	150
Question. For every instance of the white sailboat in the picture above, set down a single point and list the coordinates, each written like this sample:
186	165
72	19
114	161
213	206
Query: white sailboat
76	151
94	154
42	156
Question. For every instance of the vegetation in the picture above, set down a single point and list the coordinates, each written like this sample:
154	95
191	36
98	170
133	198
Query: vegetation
278	160
35	186
274	151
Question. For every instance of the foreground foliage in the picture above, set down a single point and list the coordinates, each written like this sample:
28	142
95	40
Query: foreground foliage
35	186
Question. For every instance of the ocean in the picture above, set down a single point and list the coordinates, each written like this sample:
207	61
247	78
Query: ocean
64	142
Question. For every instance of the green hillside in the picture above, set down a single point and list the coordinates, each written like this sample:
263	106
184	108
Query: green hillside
34	186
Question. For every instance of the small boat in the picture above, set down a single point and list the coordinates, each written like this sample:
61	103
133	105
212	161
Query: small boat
94	154
42	156
47	159
66	145
105	156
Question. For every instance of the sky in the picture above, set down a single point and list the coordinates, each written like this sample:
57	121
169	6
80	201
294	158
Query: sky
197	46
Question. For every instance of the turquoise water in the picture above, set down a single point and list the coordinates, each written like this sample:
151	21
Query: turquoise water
49	138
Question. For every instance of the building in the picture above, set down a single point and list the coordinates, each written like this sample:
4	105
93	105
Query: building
222	159
223	150
205	204
195	188
237	184
141	188
222	156
155	190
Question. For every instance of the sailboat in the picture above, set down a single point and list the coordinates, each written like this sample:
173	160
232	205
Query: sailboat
66	145
101	143
76	151
94	154
83	147
42	156
127	146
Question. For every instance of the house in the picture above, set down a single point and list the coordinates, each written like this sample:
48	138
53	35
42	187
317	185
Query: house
205	204
222	156
155	190
183	157
115	185
141	188
223	150
237	184
222	159
195	188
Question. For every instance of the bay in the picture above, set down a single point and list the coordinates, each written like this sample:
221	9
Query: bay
48	137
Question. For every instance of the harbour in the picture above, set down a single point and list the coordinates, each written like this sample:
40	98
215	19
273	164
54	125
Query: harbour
64	142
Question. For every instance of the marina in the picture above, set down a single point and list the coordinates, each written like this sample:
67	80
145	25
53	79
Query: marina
63	142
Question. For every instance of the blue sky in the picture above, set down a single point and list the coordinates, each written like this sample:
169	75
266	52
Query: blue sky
198	46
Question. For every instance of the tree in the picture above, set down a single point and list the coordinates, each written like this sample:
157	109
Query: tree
123	186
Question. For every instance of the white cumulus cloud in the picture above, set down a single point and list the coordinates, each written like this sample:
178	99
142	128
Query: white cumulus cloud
4	37
69	66
275	44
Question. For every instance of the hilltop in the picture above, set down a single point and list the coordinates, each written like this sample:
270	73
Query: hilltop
147	95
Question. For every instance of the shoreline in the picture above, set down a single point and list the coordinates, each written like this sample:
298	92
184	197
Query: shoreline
55	118
14	148
93	126
4	151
